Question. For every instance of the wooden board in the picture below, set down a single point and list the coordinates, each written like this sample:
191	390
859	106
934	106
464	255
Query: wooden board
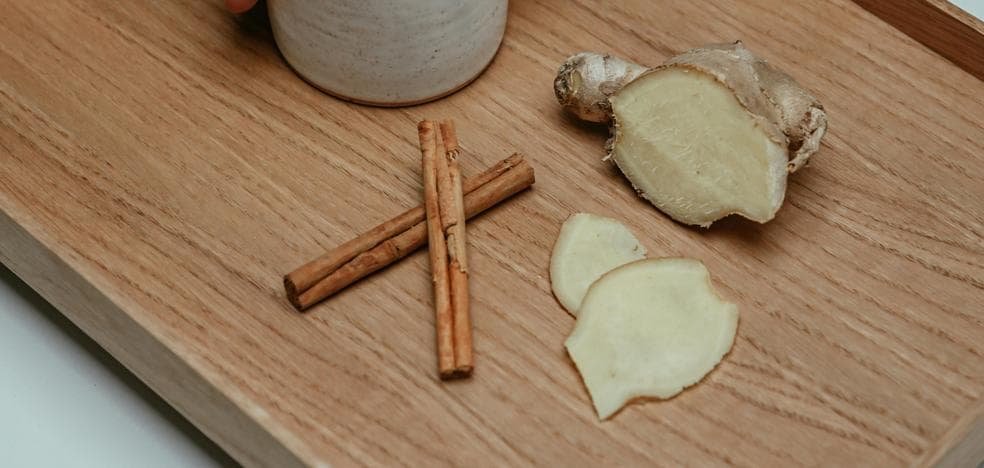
941	25
162	168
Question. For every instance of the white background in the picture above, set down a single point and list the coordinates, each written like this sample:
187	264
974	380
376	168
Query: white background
64	402
974	7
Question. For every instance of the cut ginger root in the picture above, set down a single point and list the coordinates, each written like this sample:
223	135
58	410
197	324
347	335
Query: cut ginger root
649	329
710	133
587	247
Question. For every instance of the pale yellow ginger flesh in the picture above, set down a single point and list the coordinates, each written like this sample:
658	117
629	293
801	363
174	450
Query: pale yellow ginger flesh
649	329
587	247
689	147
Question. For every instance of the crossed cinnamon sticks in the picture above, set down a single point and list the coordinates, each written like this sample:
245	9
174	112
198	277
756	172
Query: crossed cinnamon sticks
449	201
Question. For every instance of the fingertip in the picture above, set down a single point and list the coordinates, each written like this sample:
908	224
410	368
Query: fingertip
239	6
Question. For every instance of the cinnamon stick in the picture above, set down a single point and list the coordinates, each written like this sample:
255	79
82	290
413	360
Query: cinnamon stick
437	248
306	276
516	178
453	217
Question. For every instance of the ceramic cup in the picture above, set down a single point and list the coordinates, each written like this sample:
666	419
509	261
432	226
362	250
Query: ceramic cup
388	52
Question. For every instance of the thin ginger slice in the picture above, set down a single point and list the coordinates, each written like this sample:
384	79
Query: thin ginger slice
649	329
587	247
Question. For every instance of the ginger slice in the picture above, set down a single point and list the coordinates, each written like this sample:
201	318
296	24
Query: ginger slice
649	329
587	247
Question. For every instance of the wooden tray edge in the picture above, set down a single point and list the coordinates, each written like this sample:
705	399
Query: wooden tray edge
961	446
938	24
247	439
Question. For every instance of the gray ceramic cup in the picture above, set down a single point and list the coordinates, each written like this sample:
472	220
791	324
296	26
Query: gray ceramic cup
388	52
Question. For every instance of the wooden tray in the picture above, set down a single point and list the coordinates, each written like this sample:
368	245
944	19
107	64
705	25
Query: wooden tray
162	168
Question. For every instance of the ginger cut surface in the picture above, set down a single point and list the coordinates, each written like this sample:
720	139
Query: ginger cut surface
587	247
649	329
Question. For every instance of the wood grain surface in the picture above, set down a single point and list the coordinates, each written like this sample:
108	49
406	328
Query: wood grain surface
941	25
162	168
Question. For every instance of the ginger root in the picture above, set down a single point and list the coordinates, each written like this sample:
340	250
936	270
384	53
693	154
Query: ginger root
585	82
711	132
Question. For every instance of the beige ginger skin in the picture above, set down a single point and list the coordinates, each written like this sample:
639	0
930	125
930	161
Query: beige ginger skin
711	132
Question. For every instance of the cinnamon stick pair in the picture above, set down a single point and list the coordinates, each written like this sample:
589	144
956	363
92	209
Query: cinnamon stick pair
398	237
446	239
450	200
